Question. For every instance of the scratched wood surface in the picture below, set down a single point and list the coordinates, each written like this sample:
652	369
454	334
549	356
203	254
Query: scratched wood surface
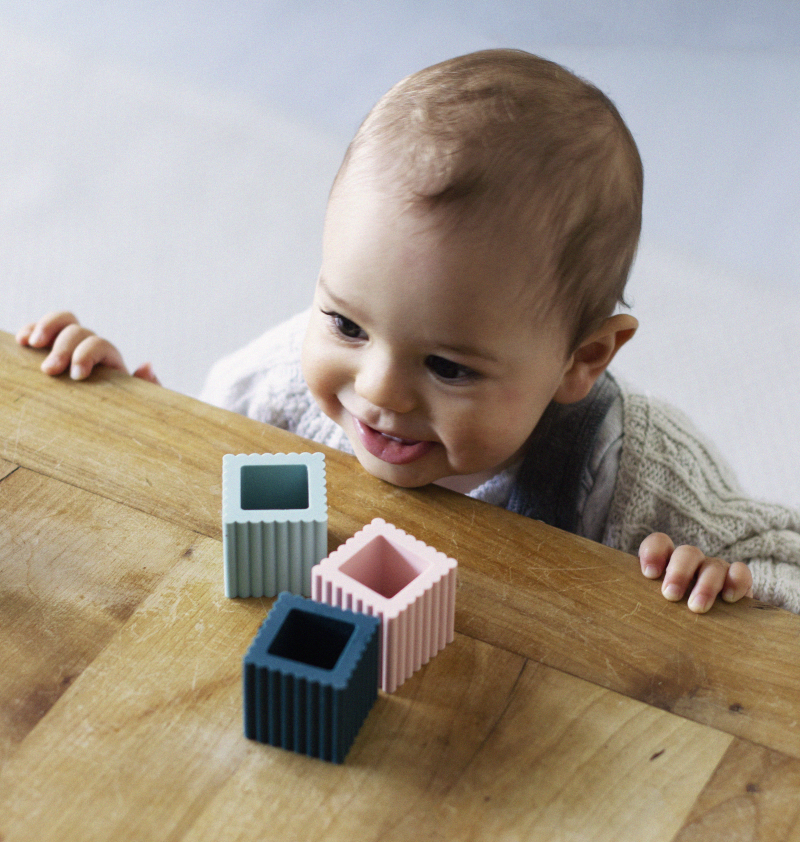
574	704
482	742
73	568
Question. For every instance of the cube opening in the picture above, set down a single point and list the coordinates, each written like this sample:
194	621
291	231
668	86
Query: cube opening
384	567
312	639
274	487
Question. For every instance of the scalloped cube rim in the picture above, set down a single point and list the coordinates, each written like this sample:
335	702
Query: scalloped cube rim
272	549
310	702
316	493
417	612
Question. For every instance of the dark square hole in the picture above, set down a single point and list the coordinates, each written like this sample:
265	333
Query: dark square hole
311	639
274	487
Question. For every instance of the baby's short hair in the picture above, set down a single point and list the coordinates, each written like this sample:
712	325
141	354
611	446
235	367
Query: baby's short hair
503	132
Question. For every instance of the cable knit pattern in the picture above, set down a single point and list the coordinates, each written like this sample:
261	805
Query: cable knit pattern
669	478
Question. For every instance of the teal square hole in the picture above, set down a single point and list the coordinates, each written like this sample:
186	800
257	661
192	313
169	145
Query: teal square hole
274	487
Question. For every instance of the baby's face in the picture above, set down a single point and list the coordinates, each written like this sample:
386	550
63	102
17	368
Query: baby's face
423	344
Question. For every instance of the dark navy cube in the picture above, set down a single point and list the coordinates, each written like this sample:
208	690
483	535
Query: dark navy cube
310	677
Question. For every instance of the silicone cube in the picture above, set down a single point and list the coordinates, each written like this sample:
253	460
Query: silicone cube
274	522
310	677
384	572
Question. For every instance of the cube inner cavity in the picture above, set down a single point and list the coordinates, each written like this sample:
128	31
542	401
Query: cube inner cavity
384	567
311	639
274	487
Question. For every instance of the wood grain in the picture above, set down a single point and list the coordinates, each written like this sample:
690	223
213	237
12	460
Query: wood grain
73	568
523	587
136	744
753	796
545	771
147	744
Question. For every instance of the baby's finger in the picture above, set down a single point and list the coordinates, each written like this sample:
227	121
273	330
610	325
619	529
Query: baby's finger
681	570
23	335
738	583
64	346
654	554
710	582
94	351
42	334
145	372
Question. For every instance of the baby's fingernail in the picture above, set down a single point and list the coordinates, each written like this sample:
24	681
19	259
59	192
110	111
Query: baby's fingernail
671	592
651	571
77	371
729	596
698	604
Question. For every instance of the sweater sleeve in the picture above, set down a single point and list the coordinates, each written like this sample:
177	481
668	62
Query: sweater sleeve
264	380
672	480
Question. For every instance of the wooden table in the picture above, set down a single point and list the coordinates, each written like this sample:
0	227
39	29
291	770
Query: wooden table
574	704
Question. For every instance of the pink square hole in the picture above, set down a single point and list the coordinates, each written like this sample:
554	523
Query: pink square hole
384	567
387	573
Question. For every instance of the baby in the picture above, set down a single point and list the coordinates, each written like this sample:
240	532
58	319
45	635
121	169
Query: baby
477	242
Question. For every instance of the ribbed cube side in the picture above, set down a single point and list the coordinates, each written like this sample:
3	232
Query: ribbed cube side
413	637
299	705
418	620
274	522
263	558
409	638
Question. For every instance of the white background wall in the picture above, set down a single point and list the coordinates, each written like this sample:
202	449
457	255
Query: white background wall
164	169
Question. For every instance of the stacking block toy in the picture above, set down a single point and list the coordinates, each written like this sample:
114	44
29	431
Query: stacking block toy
386	573
310	677
274	522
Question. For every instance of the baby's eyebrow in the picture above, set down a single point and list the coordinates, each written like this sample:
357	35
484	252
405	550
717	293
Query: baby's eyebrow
323	285
468	351
348	308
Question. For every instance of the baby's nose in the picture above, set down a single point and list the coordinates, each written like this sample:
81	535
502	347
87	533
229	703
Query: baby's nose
385	384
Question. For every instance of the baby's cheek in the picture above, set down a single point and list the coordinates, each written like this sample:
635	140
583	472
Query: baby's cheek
316	367
313	376
324	380
480	446
322	392
509	438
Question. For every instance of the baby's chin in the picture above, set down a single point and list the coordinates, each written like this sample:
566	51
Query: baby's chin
402	476
407	478
399	478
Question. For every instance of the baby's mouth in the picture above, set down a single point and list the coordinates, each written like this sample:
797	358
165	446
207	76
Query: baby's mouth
391	449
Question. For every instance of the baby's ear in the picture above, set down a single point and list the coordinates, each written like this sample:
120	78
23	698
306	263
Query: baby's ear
593	356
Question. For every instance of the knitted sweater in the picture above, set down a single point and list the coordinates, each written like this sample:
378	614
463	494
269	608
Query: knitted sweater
655	473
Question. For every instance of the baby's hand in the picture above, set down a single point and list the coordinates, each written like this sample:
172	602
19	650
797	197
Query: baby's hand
74	347
684	565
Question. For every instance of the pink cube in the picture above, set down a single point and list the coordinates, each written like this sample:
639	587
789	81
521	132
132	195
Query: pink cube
411	587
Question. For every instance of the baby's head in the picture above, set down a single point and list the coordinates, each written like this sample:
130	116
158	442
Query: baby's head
478	239
508	141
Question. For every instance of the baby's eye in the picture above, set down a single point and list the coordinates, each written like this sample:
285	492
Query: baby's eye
346	326
448	370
